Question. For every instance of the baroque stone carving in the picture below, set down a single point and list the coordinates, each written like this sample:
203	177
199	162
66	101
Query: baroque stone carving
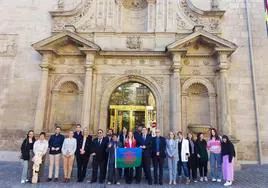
133	42
135	4
8	47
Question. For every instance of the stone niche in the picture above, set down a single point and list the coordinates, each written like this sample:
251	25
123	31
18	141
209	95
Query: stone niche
135	15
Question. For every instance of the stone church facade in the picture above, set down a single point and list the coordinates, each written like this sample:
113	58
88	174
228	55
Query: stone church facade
60	64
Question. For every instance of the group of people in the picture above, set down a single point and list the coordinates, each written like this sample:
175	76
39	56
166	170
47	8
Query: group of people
182	154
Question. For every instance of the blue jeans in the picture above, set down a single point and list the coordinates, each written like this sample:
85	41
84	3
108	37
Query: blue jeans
24	175
215	166
183	165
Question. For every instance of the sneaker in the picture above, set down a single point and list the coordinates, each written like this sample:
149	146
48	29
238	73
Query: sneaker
109	183
219	180
22	181
206	178
27	180
228	183
174	182
170	182
214	179
117	183
188	181
195	181
201	179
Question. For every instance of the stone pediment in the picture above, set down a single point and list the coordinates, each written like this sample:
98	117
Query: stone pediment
201	42
65	43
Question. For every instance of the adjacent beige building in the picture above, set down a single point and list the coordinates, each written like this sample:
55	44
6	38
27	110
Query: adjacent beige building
204	63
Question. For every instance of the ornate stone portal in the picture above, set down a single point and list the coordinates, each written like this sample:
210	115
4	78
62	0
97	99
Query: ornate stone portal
170	46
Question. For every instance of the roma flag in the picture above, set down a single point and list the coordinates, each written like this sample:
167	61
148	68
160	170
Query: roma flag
128	157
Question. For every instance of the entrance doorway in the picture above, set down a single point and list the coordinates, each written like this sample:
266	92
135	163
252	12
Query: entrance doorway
131	104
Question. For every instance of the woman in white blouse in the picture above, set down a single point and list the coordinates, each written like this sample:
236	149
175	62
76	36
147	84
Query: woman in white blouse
172	155
68	150
40	149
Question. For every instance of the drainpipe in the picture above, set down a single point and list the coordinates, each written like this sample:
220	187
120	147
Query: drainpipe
255	97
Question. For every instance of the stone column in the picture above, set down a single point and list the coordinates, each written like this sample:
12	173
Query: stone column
151	16
87	90
225	120
42	96
176	92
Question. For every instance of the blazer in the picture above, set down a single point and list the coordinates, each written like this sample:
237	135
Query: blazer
121	139
79	141
185	153
25	149
133	145
69	146
111	151
55	141
172	148
147	152
100	149
162	147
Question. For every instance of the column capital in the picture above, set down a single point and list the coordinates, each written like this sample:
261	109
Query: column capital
90	57
89	67
46	67
223	61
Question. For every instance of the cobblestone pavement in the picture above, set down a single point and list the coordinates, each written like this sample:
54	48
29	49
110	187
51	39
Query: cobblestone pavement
248	177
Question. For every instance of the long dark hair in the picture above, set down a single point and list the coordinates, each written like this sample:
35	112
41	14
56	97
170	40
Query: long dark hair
27	137
216	134
198	139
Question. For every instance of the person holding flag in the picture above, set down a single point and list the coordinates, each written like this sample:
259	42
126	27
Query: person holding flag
113	171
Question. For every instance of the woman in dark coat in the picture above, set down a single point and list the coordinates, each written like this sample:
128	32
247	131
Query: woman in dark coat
202	155
192	160
228	154
26	156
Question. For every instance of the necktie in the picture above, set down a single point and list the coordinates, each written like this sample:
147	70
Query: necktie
99	141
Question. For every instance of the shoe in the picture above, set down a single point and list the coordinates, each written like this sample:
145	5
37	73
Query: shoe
26	180
174	182
90	181
101	182
195	181
109	183
150	183
188	181
228	183
201	179
170	182
160	183
155	182
118	183
206	178
56	179
214	180
65	180
49	179
22	181
219	180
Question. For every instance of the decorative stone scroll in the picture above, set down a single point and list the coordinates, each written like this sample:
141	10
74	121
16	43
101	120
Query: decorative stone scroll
8	45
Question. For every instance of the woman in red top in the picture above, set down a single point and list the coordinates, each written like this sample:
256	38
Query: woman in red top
130	142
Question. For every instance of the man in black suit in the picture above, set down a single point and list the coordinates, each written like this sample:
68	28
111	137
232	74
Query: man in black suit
109	134
138	132
145	142
84	152
78	135
99	157
158	155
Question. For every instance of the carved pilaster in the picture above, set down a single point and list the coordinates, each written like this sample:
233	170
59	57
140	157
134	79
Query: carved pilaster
160	16
151	16
42	96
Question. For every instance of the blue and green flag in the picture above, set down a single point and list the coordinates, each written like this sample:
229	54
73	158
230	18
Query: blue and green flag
128	157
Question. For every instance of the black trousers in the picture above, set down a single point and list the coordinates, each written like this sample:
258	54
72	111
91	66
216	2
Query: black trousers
158	164
203	168
146	165
96	165
113	173
128	175
82	161
192	165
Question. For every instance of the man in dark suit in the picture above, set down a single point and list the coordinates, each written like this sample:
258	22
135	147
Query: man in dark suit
99	157
78	135
138	132
84	153
109	134
158	155
145	142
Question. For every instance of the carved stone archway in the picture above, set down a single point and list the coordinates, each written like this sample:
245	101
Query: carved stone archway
212	100
116	82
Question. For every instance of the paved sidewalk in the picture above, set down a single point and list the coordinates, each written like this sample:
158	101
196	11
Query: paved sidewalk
250	177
